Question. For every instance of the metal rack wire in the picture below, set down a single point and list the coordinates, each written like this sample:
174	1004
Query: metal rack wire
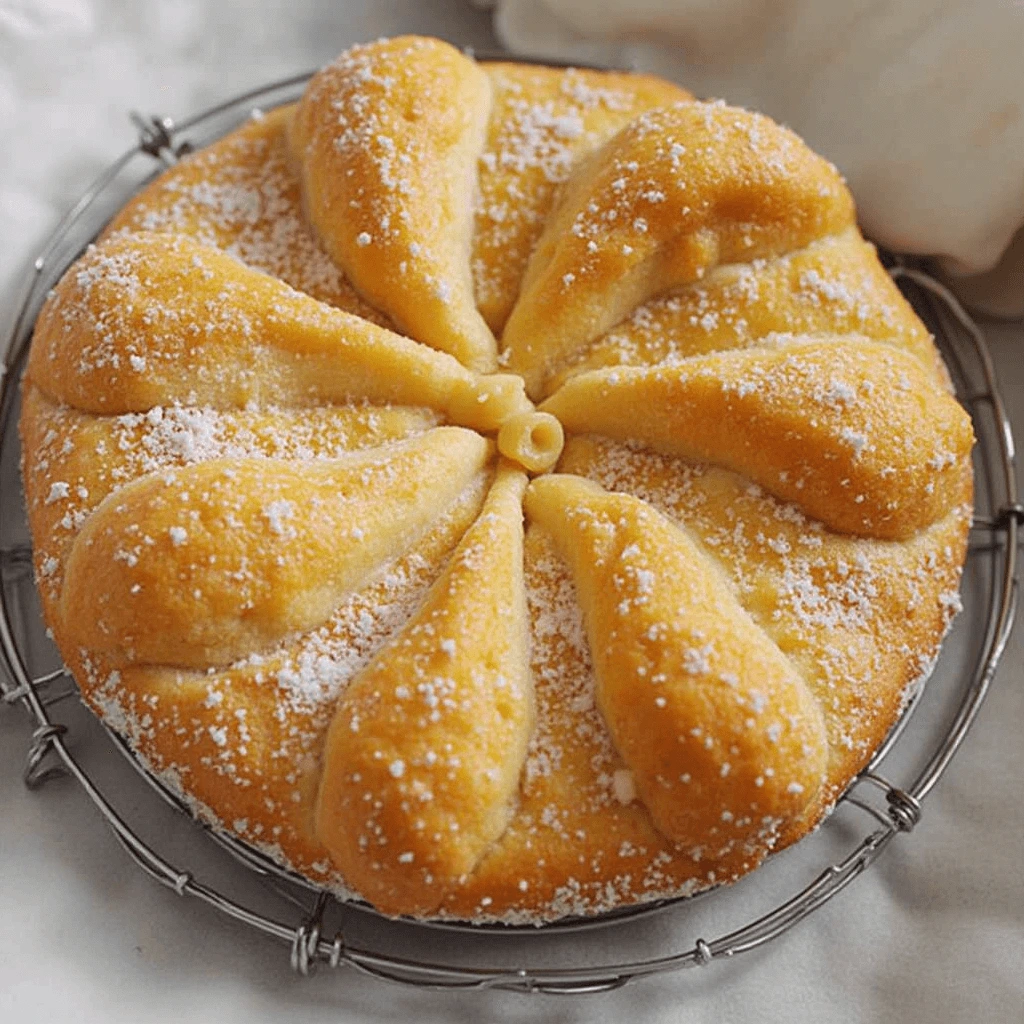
890	810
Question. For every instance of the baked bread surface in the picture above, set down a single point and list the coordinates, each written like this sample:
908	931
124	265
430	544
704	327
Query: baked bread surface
496	492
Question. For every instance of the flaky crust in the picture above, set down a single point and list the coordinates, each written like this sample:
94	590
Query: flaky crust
346	589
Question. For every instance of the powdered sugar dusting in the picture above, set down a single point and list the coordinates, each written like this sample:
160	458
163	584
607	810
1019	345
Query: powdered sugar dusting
241	195
826	599
834	285
543	121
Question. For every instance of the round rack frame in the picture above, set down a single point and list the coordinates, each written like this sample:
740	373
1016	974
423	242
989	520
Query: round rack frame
28	677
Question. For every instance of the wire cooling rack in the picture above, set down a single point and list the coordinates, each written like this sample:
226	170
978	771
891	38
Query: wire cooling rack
317	929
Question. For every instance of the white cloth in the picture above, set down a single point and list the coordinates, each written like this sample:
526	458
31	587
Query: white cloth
934	932
919	103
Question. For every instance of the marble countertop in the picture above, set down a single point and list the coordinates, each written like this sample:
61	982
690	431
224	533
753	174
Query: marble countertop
935	931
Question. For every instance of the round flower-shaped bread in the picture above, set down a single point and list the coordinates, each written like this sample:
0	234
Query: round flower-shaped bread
496	492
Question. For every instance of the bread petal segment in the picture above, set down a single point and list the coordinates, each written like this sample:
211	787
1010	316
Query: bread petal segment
858	434
240	194
543	120
677	192
151	319
833	286
423	758
387	139
202	565
724	742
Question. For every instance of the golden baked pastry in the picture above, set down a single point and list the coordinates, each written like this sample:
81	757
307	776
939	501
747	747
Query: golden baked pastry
495	492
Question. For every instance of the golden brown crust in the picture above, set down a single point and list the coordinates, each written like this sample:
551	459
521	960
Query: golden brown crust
386	140
833	286
241	195
676	193
673	650
280	552
852	614
543	121
423	758
853	432
257	549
